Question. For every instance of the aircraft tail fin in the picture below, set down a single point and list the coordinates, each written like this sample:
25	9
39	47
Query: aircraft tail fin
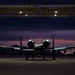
53	51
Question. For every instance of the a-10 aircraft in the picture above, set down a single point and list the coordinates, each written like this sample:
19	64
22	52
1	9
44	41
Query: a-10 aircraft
40	47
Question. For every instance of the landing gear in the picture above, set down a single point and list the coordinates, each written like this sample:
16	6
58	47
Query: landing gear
27	55
44	54
33	55
53	55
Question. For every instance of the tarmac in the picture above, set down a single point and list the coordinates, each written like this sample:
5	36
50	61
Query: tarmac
38	66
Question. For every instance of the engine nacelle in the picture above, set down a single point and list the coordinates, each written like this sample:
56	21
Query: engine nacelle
46	43
31	43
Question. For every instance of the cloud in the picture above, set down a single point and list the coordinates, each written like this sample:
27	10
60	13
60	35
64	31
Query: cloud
59	34
63	34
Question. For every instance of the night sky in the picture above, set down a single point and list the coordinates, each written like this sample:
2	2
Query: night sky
37	1
37	28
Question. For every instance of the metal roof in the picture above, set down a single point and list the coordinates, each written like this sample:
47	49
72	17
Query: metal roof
37	10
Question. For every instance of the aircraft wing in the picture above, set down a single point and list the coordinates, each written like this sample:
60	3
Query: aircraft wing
24	49
56	49
61	48
16	48
28	49
32	49
6	47
65	48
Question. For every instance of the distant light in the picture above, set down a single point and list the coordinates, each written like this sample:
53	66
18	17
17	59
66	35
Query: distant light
20	12
26	15
56	12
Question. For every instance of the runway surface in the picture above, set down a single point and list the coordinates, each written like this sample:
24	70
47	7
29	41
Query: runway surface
19	66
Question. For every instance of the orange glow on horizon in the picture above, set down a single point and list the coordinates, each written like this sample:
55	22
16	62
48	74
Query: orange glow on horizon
58	42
